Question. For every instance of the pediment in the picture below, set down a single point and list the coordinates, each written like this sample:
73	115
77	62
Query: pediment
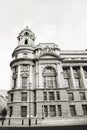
49	56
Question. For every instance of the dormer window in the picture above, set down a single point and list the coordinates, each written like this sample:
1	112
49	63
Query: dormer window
26	33
26	41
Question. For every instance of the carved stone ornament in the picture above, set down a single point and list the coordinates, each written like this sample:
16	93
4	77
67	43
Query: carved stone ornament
43	66
14	75
25	74
46	50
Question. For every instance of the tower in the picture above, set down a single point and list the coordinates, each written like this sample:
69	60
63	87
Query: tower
21	96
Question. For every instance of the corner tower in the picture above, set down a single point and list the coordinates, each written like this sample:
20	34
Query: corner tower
22	81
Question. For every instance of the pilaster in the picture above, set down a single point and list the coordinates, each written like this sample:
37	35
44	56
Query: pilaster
37	75
59	76
72	77
82	77
18	77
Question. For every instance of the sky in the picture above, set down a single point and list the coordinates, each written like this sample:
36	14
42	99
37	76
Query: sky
63	22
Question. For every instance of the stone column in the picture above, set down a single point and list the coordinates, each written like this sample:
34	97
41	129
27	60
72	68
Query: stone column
82	77
40	77
60	79
18	77
31	76
11	79
57	111
72	77
37	75
48	106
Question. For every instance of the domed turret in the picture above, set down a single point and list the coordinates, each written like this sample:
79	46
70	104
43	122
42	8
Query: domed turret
26	37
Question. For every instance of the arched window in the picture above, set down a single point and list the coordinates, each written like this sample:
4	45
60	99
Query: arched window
26	33
49	76
26	41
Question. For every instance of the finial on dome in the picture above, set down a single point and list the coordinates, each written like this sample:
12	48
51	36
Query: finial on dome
26	26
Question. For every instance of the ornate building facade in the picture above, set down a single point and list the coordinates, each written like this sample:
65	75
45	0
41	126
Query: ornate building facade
47	84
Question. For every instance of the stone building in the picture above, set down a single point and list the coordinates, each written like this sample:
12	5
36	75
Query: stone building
48	85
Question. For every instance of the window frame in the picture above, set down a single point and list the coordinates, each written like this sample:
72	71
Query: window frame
23	111
23	96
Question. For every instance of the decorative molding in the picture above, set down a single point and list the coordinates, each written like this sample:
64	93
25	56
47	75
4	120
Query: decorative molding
23	74
46	50
14	75
43	66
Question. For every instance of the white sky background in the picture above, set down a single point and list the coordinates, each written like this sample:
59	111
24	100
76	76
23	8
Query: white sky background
61	21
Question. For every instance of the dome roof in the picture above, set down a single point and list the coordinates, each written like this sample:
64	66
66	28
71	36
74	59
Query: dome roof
26	30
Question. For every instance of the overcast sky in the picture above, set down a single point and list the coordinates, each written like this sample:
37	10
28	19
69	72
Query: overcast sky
61	21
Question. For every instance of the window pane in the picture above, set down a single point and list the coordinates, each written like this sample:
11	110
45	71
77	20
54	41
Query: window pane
66	82
45	111
11	97
52	110
84	107
70	96
49	82
24	82
51	96
24	96
23	111
49	76
15	82
25	55
58	95
59	110
11	111
45	95
82	95
77	81
72	110
85	71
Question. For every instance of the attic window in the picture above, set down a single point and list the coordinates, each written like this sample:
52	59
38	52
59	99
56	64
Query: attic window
26	33
26	41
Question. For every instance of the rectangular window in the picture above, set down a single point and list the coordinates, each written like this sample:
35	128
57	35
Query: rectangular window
70	96
45	95
15	82
11	97
45	111
49	82
23	111
52	110
82	95
24	96
58	95
15	69
10	111
66	72
25	67
76	71
72	110
59	110
77	82
51	96
85	71
24	55
24	82
66	82
84	107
